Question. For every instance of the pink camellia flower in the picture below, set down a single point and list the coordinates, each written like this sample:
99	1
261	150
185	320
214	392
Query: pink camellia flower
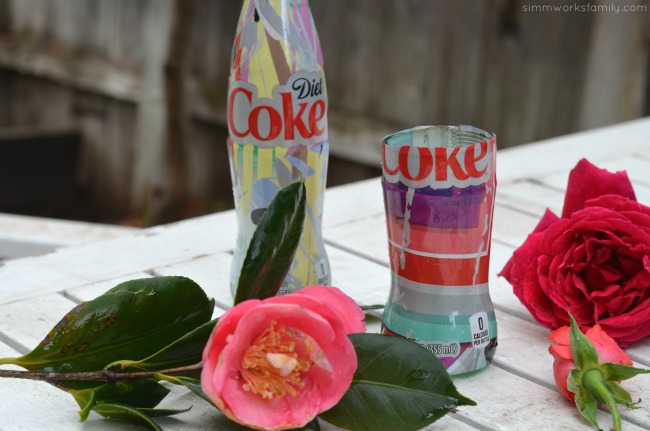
276	364
594	260
608	351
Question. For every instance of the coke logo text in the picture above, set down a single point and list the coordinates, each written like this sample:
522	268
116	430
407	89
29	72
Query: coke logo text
438	167
295	115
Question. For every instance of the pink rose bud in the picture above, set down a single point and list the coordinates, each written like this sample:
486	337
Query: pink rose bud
608	351
276	364
588	369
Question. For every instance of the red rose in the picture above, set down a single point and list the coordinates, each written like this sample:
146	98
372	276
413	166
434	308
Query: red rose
593	261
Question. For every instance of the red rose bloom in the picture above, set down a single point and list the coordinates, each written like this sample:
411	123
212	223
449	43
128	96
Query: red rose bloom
593	261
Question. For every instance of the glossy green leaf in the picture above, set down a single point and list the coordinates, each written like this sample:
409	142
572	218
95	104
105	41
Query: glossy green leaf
372	307
584	353
273	245
194	385
139	393
86	400
398	385
187	350
131	321
127	414
158	413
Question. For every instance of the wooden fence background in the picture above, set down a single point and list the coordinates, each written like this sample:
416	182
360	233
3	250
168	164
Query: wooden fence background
98	66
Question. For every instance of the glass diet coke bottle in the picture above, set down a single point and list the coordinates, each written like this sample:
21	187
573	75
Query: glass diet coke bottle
277	123
439	187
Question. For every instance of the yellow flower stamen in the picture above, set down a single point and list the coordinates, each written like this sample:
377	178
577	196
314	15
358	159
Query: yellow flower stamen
270	367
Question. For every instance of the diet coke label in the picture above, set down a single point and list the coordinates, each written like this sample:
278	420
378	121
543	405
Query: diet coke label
438	167
295	115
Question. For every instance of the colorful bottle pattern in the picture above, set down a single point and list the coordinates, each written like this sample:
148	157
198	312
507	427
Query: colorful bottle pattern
277	121
439	186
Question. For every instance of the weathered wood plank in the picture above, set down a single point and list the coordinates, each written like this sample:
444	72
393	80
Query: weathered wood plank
641	190
523	350
342	203
565	151
530	196
27	322
77	266
28	236
211	272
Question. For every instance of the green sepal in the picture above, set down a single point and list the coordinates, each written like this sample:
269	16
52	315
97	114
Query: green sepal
273	245
584	353
571	384
617	372
586	402
621	396
398	385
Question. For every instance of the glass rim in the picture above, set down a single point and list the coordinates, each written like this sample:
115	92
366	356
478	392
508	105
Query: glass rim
438	136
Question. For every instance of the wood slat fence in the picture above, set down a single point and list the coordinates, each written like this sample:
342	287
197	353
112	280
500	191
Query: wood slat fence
515	67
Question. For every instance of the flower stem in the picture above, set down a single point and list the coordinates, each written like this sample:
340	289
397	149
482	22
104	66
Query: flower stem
594	381
102	376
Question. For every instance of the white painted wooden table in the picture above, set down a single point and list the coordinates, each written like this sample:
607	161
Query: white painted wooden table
516	392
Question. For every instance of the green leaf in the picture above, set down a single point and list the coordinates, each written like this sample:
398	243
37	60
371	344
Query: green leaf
193	385
616	372
372	307
157	413
398	385
140	393
187	350
127	414
273	245
131	321
584	353
86	400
